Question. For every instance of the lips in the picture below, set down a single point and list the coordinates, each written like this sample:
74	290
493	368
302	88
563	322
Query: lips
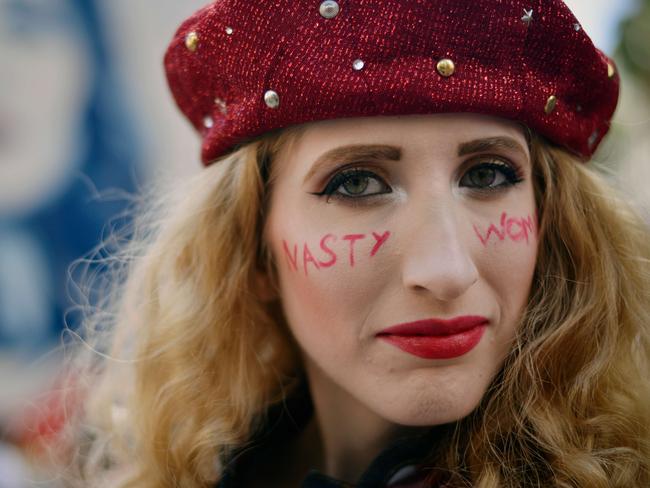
436	327
437	338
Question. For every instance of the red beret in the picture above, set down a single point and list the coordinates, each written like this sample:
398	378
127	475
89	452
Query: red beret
240	68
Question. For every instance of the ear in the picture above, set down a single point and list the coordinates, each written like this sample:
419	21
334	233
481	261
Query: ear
264	287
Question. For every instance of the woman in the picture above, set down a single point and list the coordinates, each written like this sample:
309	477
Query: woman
393	271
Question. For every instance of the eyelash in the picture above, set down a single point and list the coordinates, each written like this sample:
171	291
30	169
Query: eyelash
511	173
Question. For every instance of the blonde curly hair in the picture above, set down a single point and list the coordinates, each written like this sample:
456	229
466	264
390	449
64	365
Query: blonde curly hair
174	385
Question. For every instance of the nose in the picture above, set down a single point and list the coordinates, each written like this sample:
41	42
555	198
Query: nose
436	259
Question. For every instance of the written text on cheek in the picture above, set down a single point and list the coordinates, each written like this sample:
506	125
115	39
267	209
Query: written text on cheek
367	243
515	229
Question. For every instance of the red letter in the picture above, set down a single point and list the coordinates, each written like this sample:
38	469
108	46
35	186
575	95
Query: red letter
352	238
380	240
522	234
528	224
501	235
324	247
307	257
293	261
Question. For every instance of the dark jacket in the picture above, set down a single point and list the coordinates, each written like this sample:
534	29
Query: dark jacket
401	465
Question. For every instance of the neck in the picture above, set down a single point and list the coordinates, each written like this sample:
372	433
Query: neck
350	434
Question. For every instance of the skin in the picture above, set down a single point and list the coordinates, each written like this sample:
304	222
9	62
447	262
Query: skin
437	262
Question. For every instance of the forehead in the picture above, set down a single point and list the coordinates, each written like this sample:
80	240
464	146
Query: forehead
418	135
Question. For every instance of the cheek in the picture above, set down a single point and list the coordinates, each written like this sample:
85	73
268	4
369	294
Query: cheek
507	255
327	282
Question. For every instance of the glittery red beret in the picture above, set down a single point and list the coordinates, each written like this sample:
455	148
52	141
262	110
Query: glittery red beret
240	68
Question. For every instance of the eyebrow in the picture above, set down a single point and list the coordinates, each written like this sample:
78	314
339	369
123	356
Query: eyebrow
490	143
357	153
383	152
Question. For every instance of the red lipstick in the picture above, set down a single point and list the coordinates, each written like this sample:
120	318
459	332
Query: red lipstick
437	338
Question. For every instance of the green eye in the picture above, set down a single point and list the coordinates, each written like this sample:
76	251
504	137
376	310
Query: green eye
355	184
490	176
483	176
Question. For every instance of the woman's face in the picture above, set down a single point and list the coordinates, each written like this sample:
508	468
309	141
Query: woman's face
382	221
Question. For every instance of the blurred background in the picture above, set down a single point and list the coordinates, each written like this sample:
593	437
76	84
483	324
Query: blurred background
86	120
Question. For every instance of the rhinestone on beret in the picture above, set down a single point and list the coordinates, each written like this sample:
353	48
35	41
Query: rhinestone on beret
329	9
272	99
426	58
192	41
611	70
208	122
550	104
446	67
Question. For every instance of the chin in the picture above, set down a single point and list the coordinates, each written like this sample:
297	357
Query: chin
430	406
